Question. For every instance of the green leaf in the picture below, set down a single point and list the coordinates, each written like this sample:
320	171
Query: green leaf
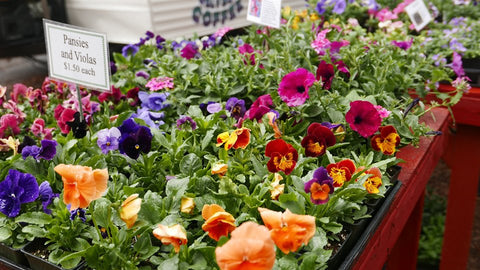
335	115
34	230
175	190
207	139
190	163
39	218
293	202
143	243
169	264
236	90
259	168
308	262
5	233
333	227
101	212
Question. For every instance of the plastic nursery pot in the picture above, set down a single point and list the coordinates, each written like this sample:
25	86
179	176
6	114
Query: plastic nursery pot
341	248
359	244
38	263
11	256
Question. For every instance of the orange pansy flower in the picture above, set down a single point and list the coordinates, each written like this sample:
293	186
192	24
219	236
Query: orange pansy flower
373	182
219	168
386	141
250	247
217	222
81	184
289	231
130	208
174	235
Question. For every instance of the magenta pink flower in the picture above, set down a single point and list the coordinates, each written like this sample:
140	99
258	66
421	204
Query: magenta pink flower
12	106
321	42
248	53
38	129
64	115
294	86
384	113
261	106
221	32
385	15
19	90
160	83
363	118
8	125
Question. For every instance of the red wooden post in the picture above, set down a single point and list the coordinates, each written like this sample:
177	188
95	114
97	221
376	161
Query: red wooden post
404	253
463	158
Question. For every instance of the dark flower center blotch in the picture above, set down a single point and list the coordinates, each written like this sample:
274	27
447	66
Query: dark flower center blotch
301	89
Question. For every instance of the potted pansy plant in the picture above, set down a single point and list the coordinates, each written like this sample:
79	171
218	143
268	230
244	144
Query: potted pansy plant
258	150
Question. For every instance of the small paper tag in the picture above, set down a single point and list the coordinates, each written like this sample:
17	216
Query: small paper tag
265	12
77	55
419	14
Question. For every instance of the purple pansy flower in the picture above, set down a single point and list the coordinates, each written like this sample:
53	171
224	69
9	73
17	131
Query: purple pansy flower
214	107
153	101
129	49
80	212
340	6
17	188
152	119
46	196
135	139
320	7
108	139
47	151
236	107
143	74
320	186
186	121
159	40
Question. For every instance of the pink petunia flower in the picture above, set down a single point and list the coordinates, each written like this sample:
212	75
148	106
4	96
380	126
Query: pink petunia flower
384	113
261	106
321	42
221	32
363	118
160	83
294	87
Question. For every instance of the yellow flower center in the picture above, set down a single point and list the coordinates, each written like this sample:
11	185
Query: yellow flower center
315	147
338	176
285	162
137	146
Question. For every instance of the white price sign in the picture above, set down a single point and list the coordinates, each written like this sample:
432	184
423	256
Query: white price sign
266	12
77	55
419	14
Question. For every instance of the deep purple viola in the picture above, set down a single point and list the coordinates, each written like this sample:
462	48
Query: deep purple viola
236	107
47	151
186	122
17	188
135	139
46	196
